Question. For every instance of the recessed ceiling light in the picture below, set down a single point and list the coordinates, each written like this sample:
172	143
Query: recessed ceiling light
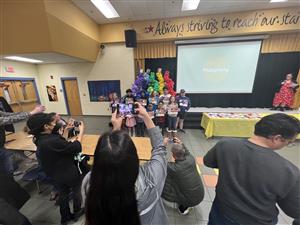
22	59
189	5
106	8
273	1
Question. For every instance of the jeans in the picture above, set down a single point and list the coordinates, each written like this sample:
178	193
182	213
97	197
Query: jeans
172	123
6	161
65	190
216	217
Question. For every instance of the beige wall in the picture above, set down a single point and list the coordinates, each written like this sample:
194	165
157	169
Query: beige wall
66	11
26	70
115	64
24	27
47	26
21	69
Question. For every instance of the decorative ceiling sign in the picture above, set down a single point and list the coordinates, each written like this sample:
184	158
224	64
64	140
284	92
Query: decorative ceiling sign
256	20
242	23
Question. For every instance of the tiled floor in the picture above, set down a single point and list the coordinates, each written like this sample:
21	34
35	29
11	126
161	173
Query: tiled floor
41	211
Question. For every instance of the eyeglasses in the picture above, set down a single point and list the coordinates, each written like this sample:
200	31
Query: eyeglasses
288	142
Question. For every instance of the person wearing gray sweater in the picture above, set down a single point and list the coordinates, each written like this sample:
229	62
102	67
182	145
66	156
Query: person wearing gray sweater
253	178
118	197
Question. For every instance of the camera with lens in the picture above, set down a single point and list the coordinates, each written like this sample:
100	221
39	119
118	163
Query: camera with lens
77	123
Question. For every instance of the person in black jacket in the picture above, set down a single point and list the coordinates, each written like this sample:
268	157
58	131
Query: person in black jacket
57	161
183	183
12	195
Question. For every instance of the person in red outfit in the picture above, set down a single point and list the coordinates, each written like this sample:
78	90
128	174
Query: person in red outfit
284	98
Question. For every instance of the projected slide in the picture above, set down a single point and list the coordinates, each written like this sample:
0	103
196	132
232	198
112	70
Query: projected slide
217	68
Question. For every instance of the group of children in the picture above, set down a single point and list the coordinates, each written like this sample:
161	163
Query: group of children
166	111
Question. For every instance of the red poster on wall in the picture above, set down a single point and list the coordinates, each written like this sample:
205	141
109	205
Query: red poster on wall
9	69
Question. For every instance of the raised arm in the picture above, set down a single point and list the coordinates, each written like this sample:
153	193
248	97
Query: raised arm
158	162
157	166
9	118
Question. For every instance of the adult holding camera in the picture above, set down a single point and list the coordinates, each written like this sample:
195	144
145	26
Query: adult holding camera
118	191
183	184
57	161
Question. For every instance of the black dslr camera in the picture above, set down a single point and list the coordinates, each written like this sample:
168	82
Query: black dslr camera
77	123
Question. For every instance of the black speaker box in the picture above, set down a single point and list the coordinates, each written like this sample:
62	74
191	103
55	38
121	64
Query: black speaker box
130	38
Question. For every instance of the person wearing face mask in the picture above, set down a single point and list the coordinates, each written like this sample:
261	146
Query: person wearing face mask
56	156
62	127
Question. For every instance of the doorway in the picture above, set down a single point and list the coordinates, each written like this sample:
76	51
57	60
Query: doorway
72	97
20	93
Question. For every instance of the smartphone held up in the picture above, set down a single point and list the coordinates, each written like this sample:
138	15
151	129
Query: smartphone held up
125	109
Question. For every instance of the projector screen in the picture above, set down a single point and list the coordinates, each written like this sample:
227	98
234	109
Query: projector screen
217	67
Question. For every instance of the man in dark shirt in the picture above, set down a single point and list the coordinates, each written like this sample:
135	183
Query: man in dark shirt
254	178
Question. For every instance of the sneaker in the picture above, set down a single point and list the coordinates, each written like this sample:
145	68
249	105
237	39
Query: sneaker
184	211
182	130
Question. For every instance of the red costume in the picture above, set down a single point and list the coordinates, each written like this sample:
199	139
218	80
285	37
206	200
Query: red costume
285	96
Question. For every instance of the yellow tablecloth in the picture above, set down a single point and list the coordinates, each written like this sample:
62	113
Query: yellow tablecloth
231	127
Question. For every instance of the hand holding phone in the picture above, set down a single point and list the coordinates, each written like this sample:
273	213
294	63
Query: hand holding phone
116	121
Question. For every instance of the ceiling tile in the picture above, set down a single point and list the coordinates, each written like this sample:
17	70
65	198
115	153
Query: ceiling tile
153	9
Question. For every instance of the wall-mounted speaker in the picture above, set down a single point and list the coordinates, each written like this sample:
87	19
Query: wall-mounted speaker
130	38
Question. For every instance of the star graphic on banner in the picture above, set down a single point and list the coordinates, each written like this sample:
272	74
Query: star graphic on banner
149	29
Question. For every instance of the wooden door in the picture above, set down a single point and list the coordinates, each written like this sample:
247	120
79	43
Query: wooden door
20	94
72	97
8	91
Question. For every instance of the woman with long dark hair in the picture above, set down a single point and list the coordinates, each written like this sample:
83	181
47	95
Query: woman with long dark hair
56	156
120	192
